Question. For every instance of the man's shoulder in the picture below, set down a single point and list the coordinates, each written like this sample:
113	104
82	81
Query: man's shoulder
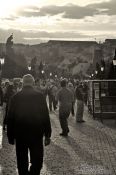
38	93
32	92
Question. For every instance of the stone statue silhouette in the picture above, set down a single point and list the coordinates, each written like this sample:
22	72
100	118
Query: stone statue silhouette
9	44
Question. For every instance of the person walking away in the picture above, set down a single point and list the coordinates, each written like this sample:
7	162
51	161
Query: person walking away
19	88
43	88
37	86
65	98
1	96
80	103
4	90
51	91
85	90
54	92
28	122
71	87
9	93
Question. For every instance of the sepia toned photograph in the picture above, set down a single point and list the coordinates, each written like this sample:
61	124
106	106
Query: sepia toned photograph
58	87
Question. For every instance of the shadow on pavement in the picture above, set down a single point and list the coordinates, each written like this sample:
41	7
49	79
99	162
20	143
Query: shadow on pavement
95	133
87	158
58	161
110	123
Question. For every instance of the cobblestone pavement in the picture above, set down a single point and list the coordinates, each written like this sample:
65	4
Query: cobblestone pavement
90	149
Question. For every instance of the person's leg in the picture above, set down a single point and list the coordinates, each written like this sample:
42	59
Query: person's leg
5	116
22	158
50	103
36	156
63	118
54	103
72	109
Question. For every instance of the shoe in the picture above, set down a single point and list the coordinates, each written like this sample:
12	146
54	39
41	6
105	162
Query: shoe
64	134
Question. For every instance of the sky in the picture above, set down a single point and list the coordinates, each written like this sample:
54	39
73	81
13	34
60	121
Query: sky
35	21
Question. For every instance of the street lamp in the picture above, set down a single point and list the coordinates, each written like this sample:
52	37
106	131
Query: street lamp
96	72
1	64
102	69
114	62
2	61
29	68
50	74
42	72
56	76
102	72
92	75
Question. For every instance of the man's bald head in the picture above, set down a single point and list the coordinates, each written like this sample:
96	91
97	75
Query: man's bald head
28	80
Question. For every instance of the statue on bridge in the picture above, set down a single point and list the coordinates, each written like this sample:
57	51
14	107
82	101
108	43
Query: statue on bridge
9	44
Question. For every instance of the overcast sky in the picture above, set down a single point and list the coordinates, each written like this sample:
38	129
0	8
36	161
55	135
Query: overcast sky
34	21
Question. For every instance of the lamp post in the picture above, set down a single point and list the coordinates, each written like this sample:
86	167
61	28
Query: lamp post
2	60
102	72
102	69
96	72
50	74
112	70
92	75
43	74
29	68
56	76
114	64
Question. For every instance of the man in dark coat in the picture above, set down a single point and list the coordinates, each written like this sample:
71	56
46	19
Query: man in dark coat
27	122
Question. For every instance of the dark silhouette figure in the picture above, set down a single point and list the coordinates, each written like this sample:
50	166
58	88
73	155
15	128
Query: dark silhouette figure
65	98
1	96
9	44
9	93
27	122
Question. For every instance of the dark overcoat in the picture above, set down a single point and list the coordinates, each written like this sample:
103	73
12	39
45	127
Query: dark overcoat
28	117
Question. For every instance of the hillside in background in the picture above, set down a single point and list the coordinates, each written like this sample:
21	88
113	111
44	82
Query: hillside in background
71	56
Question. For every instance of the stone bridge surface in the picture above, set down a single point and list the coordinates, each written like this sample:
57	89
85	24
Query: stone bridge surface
90	149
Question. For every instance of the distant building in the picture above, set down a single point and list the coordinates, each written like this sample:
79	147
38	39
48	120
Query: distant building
111	42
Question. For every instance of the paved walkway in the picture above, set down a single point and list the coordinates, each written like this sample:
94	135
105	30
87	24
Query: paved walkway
90	149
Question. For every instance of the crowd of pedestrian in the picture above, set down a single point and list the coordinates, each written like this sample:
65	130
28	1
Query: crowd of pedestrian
26	107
